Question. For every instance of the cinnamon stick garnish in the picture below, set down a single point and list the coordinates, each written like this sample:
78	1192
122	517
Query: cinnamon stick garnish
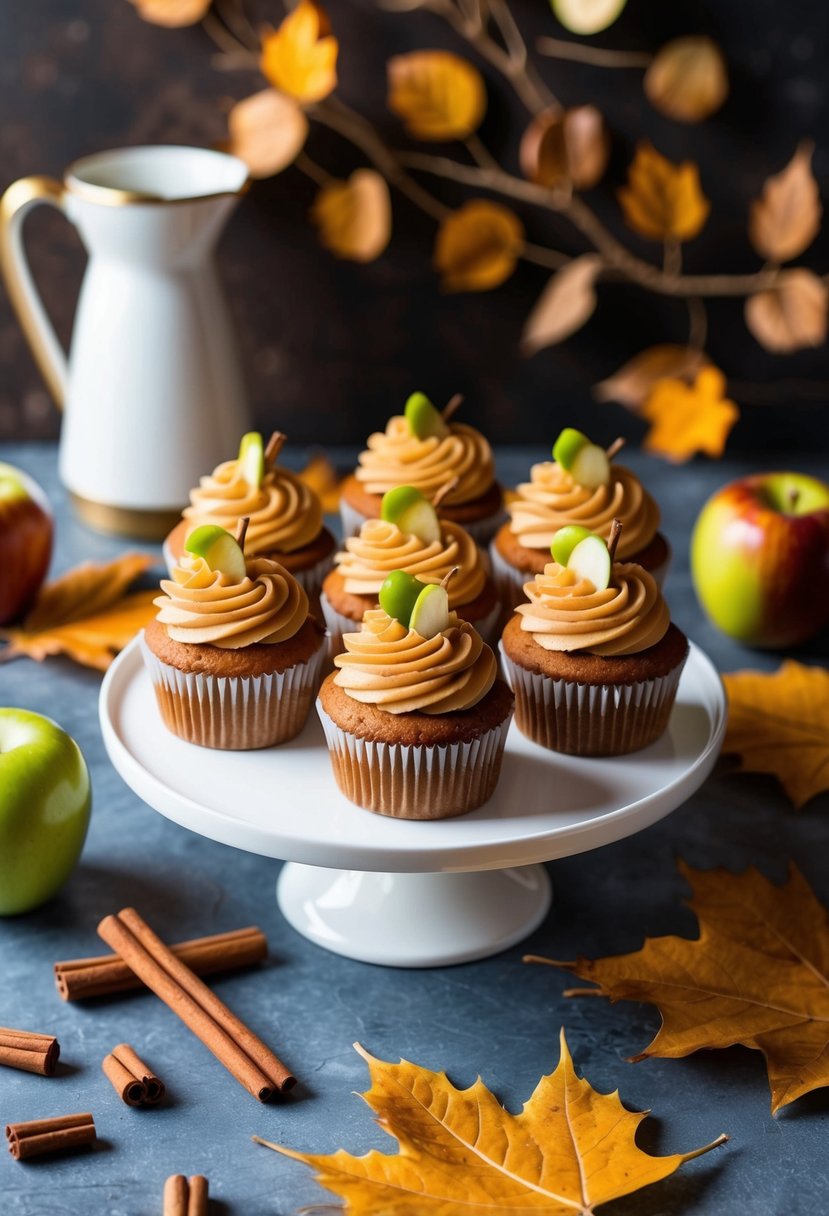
613	539
29	1051
443	491
80	978
274	447
615	448
185	1196
132	1080
452	404
55	1135
233	1044
241	531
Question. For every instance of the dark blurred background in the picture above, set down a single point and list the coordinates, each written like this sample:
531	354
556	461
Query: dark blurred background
330	348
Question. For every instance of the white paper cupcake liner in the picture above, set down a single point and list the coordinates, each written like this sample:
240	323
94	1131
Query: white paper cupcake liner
509	581
235	713
590	719
415	782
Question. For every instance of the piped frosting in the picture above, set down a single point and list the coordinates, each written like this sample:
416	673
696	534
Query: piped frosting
381	547
285	514
396	457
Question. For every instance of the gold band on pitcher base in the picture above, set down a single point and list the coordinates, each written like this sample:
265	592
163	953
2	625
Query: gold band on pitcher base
125	521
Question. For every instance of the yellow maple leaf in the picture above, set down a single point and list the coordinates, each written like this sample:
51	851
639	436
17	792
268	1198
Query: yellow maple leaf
777	723
689	418
85	614
299	58
568	1151
438	95
172	13
321	476
758	974
662	200
354	217
477	246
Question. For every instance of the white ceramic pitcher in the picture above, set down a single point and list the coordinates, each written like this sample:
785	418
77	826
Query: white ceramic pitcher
152	388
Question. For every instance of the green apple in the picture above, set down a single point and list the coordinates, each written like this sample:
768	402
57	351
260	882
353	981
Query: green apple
590	559
25	541
586	462
587	16
430	614
45	803
412	512
424	420
219	549
252	459
565	541
398	595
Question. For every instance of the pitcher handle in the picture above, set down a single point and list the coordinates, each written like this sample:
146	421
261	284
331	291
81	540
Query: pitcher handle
15	204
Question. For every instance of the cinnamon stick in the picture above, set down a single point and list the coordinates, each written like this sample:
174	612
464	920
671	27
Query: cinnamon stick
232	1043
29	1051
81	978
613	539
615	448
443	491
185	1196
54	1135
273	448
130	1077
451	405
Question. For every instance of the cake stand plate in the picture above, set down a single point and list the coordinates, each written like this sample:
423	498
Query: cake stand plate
396	892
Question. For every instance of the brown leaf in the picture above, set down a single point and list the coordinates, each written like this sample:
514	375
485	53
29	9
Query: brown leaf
633	381
570	1149
321	476
791	315
687	79
438	95
786	218
777	724
267	131
172	13
477	246
758	974
565	304
686	419
663	201
354	217
563	148
300	57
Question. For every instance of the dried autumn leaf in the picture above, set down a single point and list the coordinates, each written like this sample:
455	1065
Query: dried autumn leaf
85	614
267	131
172	13
758	974
663	201
477	246
778	724
321	476
686	419
633	381
354	217
566	303
786	218
300	57
687	79
438	95
791	315
566	148
570	1149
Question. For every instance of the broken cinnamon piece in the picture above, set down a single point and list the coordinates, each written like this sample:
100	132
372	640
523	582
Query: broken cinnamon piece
130	1077
29	1051
58	1134
185	1196
273	448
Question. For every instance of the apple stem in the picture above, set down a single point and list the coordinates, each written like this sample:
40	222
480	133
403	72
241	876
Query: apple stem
615	447
447	578
275	445
241	531
450	407
794	498
444	491
613	539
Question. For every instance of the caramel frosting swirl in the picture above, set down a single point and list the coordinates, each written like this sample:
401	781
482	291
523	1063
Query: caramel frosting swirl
381	547
201	605
390	666
567	613
551	499
396	457
284	513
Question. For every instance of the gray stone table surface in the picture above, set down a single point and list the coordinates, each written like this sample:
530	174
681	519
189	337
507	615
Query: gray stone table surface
498	1017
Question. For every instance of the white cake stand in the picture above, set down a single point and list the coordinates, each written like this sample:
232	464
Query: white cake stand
409	894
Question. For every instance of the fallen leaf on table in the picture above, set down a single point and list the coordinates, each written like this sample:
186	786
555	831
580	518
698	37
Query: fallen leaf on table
689	418
779	724
568	1151
321	476
786	218
791	315
85	614
687	78
354	217
661	200
564	306
477	246
300	56
438	95
633	381
758	975
267	131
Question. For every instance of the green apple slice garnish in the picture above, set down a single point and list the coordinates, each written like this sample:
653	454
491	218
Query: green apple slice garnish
587	16
398	595
424	420
412	512
565	541
218	548
252	459
586	462
430	615
590	559
568	445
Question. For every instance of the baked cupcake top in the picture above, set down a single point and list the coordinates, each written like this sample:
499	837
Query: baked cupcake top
421	448
284	513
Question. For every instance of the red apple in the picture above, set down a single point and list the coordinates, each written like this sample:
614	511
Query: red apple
25	541
760	558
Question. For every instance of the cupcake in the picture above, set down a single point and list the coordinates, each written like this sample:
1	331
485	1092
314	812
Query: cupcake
285	514
233	655
408	536
579	486
415	715
591	655
422	448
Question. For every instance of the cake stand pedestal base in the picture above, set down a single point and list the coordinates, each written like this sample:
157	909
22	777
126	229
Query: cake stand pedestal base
413	920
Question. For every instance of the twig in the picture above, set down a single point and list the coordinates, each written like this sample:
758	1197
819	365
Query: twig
600	57
480	153
311	169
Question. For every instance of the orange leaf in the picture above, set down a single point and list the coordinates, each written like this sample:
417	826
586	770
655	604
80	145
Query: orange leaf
662	200
686	419
633	381
299	58
321	476
172	13
566	148
354	217
758	974
570	1149
267	131
777	724
687	79
565	304
438	95
477	246
791	315
786	218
